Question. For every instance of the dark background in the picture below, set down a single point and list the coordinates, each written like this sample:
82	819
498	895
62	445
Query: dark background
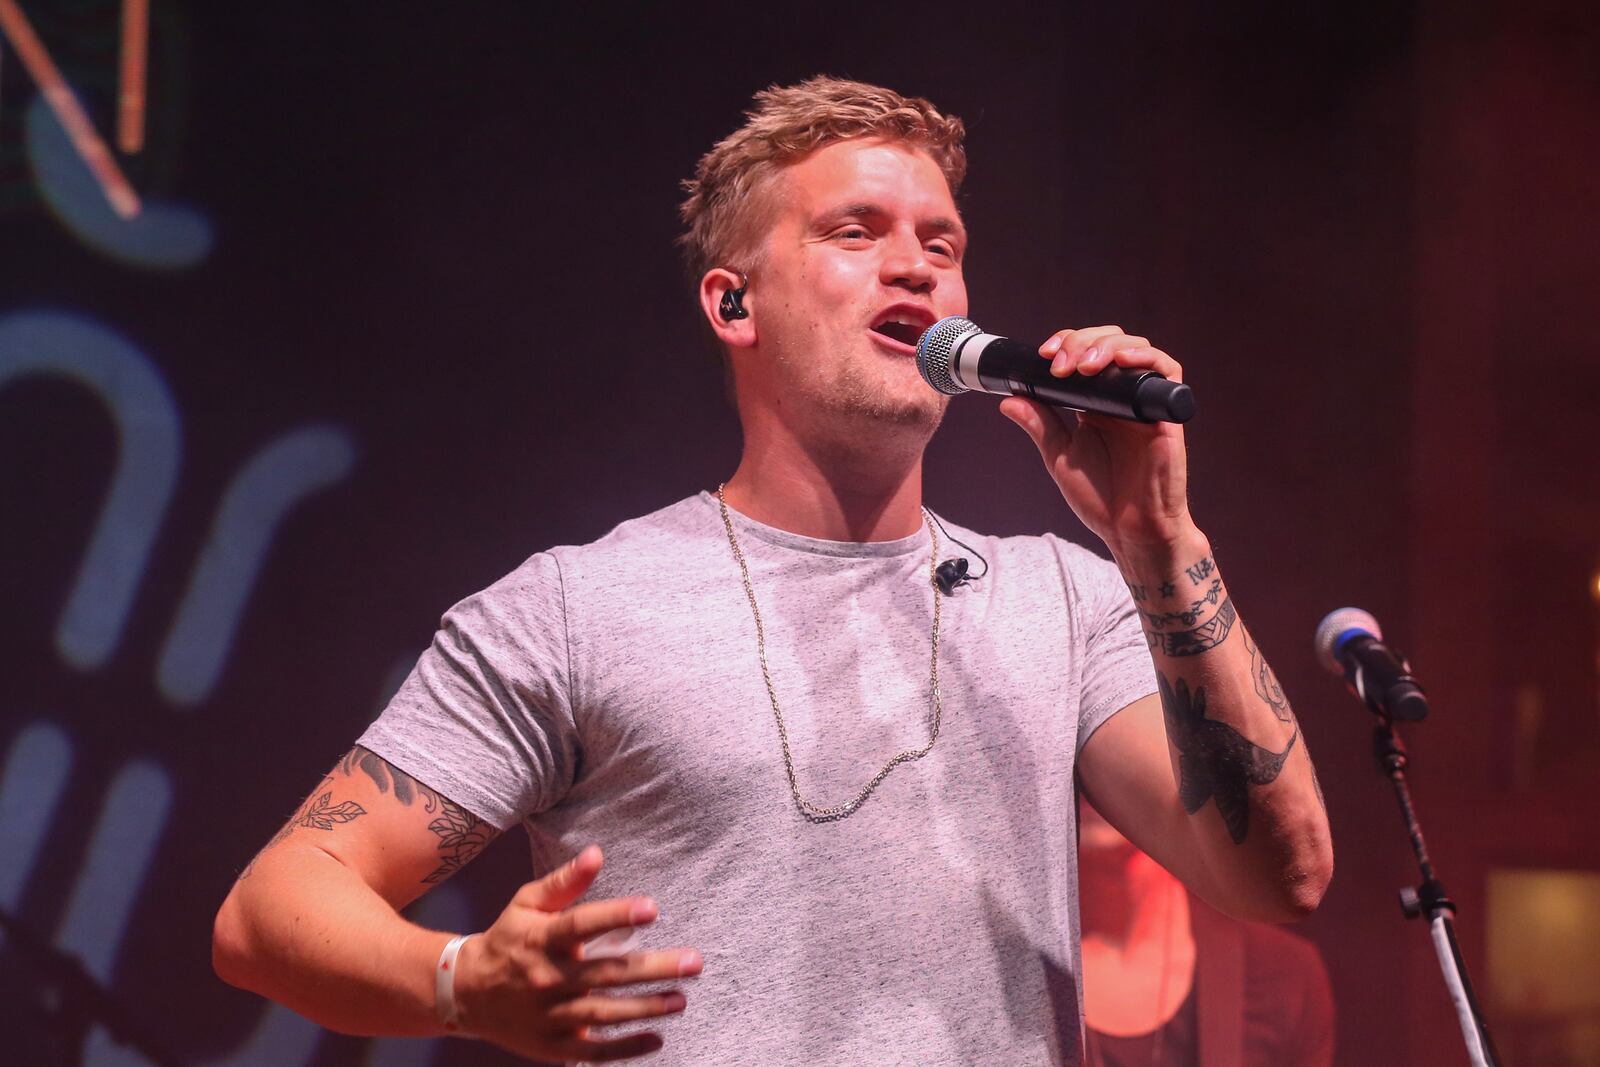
443	234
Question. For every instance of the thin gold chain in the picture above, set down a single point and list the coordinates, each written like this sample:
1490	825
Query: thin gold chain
838	811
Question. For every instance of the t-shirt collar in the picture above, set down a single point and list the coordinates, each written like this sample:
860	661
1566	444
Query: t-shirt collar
745	526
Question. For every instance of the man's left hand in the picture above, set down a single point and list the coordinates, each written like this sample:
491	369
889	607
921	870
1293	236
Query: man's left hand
1126	481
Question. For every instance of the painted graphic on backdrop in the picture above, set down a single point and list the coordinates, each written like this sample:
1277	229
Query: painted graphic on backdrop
79	190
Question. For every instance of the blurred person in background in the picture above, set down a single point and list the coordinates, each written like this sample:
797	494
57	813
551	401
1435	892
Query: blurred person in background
1171	982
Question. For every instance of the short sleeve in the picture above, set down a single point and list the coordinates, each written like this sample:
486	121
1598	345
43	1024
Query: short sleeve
1116	665
485	717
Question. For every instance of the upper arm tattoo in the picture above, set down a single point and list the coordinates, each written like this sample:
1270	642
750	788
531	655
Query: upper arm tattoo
462	835
386	776
318	812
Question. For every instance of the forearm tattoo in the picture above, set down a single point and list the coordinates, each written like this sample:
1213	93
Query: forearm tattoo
1187	616
462	835
1196	636
1266	682
1202	638
1215	761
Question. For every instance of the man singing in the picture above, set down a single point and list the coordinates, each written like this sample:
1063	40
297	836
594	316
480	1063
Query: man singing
840	796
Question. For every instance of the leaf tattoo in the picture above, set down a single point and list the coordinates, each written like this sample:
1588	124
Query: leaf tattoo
317	812
1215	761
324	815
462	835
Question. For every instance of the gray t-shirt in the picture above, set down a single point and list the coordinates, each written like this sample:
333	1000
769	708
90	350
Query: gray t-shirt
612	693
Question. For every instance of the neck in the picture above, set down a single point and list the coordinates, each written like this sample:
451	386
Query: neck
869	489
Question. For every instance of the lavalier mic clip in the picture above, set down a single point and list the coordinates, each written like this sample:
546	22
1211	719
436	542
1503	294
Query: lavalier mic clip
951	573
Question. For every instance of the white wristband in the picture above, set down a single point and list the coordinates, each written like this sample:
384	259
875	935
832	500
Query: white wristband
444	984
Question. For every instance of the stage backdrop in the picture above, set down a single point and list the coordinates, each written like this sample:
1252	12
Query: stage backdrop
402	307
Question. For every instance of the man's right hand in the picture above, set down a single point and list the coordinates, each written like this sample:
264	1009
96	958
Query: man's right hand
526	985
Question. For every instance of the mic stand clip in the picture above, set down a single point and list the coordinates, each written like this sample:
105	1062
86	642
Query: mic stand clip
1429	898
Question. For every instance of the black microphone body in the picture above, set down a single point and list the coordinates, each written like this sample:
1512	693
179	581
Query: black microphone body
1349	642
955	356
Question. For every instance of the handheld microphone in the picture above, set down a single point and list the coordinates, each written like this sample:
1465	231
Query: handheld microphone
955	356
1350	642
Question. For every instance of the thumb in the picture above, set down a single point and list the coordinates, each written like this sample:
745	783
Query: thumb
563	886
1042	425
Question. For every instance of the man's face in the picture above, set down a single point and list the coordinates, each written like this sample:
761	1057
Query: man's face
864	255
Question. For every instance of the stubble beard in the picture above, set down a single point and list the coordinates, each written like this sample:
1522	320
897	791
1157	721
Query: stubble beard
857	395
864	401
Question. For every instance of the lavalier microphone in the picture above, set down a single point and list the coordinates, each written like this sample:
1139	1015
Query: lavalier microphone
951	573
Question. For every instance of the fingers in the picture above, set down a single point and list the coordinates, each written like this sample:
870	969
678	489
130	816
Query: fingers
1091	350
578	924
637	967
1044	426
1067	349
1076	342
1141	357
535	993
564	885
604	1010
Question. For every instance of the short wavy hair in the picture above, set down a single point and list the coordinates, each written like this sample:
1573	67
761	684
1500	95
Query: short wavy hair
726	211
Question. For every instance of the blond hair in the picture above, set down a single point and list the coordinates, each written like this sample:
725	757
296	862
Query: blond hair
725	212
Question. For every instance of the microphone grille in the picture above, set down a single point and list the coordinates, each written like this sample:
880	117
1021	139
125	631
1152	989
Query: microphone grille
1335	625
934	350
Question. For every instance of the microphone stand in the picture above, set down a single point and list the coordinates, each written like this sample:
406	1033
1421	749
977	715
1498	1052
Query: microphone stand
1429	897
72	1001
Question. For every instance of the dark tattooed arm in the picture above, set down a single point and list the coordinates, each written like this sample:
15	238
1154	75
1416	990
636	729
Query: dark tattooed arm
1234	808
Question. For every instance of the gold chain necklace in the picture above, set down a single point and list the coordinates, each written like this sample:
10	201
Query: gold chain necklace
838	811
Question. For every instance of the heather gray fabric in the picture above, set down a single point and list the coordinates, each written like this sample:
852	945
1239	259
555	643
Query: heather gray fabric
611	693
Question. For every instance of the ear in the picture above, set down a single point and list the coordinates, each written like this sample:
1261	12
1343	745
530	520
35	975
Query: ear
714	287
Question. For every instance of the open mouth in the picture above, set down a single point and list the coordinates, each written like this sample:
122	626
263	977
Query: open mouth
906	333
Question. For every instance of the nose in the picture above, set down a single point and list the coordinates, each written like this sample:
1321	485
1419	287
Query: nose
905	264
